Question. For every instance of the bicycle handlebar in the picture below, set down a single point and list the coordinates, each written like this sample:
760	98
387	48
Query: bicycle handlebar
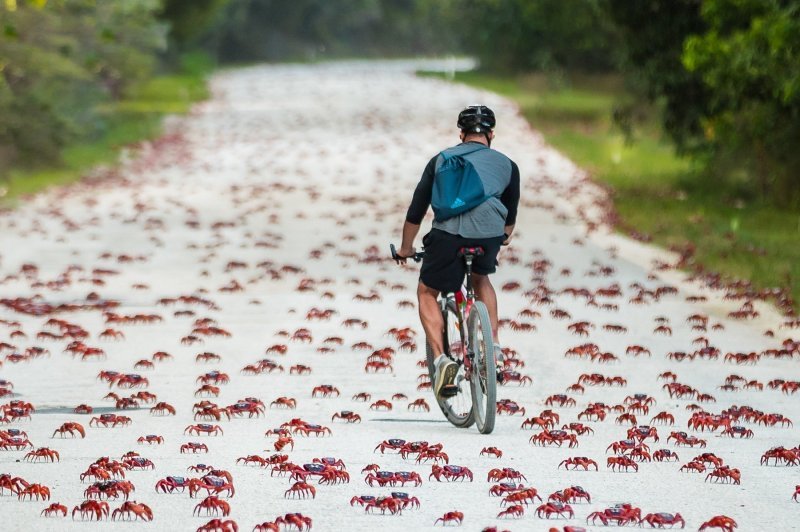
416	257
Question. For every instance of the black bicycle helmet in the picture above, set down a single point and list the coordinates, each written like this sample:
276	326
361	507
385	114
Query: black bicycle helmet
476	119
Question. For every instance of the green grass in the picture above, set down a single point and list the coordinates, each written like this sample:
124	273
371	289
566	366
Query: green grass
655	191
136	117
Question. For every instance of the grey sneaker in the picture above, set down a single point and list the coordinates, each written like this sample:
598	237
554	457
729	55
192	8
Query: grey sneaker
444	377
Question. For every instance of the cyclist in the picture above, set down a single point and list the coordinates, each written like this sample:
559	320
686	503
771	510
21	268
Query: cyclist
488	225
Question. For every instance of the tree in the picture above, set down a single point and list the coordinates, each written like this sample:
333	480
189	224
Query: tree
252	30
58	60
749	62
189	19
523	35
652	34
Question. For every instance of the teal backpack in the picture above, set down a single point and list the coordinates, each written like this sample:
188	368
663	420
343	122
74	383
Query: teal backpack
457	187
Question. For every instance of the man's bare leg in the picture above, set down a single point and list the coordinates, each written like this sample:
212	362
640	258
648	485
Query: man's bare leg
484	291
431	317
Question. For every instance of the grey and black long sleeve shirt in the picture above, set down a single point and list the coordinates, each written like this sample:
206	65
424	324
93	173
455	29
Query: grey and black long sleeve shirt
500	177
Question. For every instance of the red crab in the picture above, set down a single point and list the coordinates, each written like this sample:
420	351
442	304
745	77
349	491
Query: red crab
550	508
621	514
560	400
507	376
83	409
494	451
308	429
725	474
450	517
504	488
110	419
554	437
419	404
681	438
579	428
218	525
516	511
664	418
172	484
394	444
506	473
450	473
43	453
325	390
623	462
521	496
347	415
381	404
284	402
571	494
578	461
507	406
162	409
194	448
720	521
55	509
203	428
665	455
301	490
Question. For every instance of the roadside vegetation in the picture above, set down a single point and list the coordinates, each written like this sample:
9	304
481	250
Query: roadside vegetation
659	196
137	116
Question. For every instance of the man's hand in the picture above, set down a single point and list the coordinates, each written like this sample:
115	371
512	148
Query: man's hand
407	248
508	232
405	253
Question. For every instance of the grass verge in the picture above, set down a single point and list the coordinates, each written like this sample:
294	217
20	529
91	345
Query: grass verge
138	116
656	192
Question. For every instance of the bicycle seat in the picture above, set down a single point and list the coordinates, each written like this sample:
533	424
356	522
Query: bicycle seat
473	251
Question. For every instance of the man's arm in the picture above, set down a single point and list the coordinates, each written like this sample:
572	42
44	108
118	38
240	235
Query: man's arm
417	210
410	232
510	199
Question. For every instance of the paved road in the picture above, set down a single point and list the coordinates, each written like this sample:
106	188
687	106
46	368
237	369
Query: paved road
279	196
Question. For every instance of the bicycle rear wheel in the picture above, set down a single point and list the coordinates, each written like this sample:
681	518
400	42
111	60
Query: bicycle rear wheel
484	371
457	409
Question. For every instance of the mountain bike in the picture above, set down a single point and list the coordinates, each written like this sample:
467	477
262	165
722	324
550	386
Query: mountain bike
468	341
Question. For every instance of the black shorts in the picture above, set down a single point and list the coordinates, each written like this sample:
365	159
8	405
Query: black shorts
442	269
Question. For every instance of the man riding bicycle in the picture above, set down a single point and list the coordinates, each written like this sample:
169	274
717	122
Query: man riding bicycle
488	225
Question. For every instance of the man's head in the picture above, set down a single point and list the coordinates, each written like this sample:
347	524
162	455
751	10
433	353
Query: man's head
476	122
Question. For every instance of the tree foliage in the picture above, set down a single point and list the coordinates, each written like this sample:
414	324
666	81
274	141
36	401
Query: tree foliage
58	59
253	30
727	76
652	34
749	63
514	35
189	19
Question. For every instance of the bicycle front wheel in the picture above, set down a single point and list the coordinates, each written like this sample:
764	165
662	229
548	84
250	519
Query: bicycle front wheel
484	371
457	409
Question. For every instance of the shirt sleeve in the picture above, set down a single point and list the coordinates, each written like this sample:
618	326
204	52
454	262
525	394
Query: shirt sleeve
422	195
510	196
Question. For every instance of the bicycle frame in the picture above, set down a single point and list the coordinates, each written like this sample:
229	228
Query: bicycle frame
464	301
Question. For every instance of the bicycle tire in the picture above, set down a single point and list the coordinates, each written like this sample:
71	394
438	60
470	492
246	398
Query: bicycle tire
448	405
484	371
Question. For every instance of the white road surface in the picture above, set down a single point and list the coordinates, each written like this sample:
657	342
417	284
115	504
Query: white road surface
280	194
